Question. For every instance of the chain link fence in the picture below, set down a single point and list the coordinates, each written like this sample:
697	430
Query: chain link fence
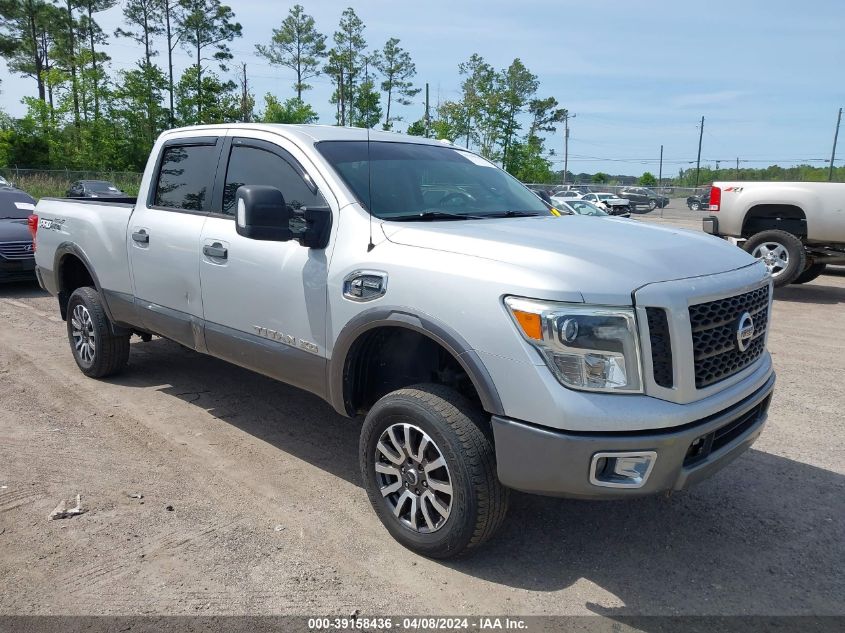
669	191
41	183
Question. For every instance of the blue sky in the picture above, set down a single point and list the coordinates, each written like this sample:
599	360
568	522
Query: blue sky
766	75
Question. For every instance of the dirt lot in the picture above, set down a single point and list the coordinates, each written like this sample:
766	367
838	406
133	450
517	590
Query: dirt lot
252	501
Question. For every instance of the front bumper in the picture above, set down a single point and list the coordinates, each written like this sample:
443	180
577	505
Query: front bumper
549	462
17	270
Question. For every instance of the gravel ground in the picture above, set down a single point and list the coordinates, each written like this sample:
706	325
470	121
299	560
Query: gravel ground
252	501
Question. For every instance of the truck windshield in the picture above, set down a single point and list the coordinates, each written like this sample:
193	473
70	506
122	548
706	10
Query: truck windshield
408	181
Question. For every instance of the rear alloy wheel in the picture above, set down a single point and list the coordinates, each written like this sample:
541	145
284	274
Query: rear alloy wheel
429	468
96	349
695	206
782	252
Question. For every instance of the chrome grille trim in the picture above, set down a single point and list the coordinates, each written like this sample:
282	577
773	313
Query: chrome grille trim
16	250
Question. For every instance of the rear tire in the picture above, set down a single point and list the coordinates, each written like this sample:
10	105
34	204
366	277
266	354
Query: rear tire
96	349
652	205
811	272
695	206
782	252
440	511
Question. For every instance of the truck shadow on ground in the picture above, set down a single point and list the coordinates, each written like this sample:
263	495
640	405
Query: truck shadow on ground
816	292
20	290
762	536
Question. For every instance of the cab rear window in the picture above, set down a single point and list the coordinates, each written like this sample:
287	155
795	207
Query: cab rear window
185	177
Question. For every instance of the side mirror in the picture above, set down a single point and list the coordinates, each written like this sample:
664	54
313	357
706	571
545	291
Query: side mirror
261	214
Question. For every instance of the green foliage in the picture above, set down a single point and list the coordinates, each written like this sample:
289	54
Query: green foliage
291	111
648	180
417	128
205	25
296	45
345	64
398	69
600	178
215	101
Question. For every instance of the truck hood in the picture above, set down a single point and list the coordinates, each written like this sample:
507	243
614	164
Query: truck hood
14	231
605	259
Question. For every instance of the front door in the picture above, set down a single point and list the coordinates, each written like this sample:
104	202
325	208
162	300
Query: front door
264	302
164	238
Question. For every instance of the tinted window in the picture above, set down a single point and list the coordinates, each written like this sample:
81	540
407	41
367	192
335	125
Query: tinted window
185	177
253	166
403	180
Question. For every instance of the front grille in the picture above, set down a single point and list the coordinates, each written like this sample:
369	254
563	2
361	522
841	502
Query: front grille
724	435
714	329
661	346
16	250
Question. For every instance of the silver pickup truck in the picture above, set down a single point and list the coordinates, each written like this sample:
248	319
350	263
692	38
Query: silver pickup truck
487	343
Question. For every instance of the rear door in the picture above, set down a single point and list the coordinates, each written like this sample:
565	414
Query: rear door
164	238
265	302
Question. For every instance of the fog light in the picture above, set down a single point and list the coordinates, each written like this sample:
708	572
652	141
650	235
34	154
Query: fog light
622	470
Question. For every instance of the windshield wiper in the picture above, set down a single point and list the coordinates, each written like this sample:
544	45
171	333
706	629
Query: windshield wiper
433	215
513	214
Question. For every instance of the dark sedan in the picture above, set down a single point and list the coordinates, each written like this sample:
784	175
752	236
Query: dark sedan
641	197
17	256
95	189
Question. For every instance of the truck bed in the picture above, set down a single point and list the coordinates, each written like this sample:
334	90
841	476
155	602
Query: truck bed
93	230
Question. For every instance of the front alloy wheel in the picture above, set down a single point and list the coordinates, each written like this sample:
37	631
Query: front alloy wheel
429	467
413	478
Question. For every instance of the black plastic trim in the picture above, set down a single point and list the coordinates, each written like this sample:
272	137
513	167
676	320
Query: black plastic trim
395	316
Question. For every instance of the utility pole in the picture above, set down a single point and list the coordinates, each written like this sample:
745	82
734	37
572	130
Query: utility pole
660	180
698	161
566	143
833	152
660	172
427	118
737	167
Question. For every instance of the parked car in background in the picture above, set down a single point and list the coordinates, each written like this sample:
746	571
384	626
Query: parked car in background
561	197
17	258
5	183
95	189
796	228
610	202
699	201
642	198
582	207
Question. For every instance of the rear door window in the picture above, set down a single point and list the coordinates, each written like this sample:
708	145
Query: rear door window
185	177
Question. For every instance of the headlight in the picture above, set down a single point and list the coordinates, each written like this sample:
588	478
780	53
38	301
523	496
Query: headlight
594	348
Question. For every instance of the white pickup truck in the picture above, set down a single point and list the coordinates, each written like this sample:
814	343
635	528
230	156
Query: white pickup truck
487	343
796	228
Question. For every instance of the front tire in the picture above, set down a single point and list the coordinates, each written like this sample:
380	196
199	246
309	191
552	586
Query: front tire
98	352
782	252
429	468
652	205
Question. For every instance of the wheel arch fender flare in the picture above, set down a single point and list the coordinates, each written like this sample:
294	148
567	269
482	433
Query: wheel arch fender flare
432	328
69	249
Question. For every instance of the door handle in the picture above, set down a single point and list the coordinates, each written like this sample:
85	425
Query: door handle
216	250
141	237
